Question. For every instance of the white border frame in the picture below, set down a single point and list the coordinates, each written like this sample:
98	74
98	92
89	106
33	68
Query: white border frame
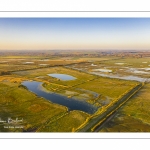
73	14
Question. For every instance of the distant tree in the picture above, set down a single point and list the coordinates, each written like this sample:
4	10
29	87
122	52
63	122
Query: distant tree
5	73
22	86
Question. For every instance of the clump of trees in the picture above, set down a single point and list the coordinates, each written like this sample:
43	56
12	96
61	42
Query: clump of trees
22	86
5	73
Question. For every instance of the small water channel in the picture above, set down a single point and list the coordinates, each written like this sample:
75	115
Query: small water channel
72	104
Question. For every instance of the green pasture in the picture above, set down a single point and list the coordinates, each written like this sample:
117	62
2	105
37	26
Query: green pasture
133	116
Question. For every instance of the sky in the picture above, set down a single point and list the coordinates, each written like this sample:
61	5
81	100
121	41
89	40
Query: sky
74	33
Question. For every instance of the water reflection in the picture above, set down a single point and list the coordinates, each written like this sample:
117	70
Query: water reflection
71	103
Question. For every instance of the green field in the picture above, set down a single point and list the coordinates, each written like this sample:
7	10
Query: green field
133	116
18	102
17	63
40	115
34	74
68	123
94	89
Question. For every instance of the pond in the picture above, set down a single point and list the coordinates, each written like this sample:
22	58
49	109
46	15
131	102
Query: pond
134	78
28	62
64	77
72	104
103	70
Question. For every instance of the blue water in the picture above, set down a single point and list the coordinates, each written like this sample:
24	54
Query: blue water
62	76
71	103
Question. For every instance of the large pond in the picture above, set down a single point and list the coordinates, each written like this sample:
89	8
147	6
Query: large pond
72	104
62	76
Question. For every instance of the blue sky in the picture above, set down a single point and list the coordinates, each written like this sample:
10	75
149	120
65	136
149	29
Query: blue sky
74	33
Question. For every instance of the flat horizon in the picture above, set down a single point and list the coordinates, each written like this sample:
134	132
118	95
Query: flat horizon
77	50
74	33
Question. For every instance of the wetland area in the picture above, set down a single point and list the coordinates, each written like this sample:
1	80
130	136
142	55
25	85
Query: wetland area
74	94
74	74
70	103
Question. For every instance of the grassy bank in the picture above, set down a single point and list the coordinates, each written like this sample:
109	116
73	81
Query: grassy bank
133	116
17	102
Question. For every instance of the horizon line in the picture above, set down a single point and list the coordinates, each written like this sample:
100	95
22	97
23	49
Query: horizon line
74	49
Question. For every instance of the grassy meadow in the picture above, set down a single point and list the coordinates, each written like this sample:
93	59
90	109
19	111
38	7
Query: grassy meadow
15	101
133	116
40	115
91	88
68	123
